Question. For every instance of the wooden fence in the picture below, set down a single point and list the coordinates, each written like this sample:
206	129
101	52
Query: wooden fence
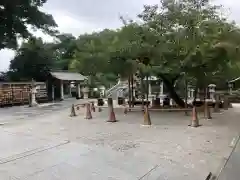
18	93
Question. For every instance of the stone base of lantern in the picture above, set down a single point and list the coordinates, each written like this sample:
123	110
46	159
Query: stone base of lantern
85	95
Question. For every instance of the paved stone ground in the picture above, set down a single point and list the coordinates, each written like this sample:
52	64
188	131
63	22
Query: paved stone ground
14	113
231	169
57	147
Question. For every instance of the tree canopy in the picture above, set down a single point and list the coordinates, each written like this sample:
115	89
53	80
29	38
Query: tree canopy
185	38
33	60
17	17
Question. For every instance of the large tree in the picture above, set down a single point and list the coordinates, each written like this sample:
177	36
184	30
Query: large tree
189	39
64	50
33	59
17	17
185	38
91	56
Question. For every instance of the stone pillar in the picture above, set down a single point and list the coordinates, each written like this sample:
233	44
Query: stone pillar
161	88
230	90
134	92
70	89
78	90
33	96
198	94
230	87
189	93
61	91
53	92
149	89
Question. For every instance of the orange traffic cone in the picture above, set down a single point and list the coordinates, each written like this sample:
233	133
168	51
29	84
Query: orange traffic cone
112	117
88	112
195	121
93	107
73	112
147	120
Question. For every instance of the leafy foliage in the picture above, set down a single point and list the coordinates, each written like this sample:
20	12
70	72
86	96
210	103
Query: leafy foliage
33	60
16	17
185	38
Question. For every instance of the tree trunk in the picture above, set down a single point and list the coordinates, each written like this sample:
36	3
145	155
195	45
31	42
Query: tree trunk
186	95
129	92
186	92
133	98
170	87
142	91
147	82
196	91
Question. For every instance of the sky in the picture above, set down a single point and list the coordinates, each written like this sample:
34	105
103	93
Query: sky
78	17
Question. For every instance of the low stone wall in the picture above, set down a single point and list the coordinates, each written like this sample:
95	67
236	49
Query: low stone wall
234	98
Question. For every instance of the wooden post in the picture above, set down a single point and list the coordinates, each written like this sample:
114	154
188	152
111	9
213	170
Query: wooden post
61	90
112	117
147	119
216	106
195	120
225	103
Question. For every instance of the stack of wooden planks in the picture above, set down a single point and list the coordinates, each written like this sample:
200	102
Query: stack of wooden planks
17	93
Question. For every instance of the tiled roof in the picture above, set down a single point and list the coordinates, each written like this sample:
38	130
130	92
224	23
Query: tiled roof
68	76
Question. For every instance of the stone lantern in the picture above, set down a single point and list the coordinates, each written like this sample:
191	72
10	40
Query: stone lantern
102	91
32	96
85	91
211	89
230	87
190	91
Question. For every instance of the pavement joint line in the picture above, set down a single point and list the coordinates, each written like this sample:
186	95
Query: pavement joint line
225	160
30	153
24	134
25	152
156	166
